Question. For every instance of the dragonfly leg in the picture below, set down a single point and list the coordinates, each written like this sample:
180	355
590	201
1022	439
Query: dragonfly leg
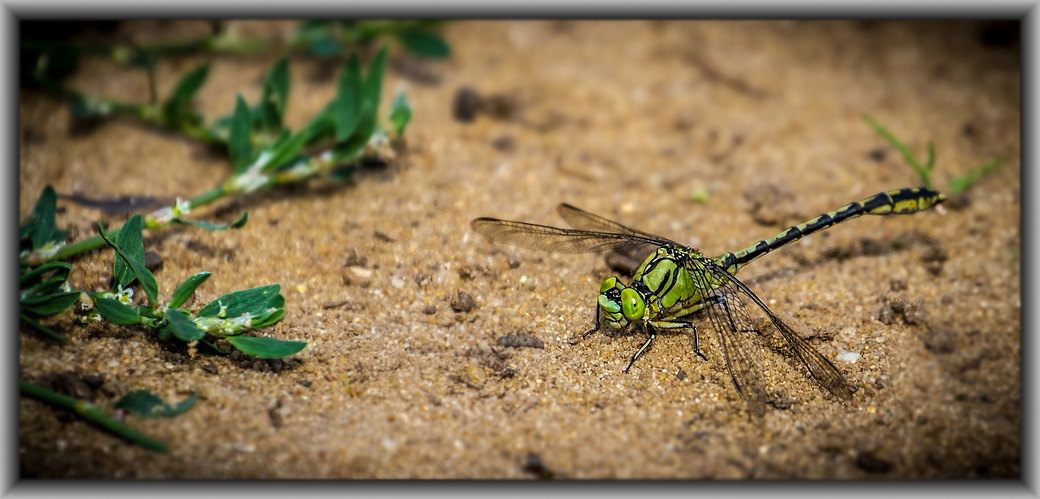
595	327
642	349
683	325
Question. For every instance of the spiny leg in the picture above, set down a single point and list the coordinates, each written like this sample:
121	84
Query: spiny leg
683	325
653	335
595	327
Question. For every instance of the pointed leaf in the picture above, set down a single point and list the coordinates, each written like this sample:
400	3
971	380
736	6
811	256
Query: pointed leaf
40	227
266	348
176	106
285	150
373	85
240	222
182	326
347	110
254	301
239	147
116	312
48	305
275	95
143	275
129	240
424	43
187	288
145	404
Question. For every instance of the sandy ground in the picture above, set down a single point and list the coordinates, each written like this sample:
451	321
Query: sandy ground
627	120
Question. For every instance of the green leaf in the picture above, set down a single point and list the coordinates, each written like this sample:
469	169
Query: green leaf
240	222
961	183
424	43
48	305
275	96
239	147
129	240
373	85
266	348
115	312
176	106
187	288
352	148
400	114
40	227
347	110
322	126
40	328
144	276
145	404
923	172
286	149
59	268
182	326
254	301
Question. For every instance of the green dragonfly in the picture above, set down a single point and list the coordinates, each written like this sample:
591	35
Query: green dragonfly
676	283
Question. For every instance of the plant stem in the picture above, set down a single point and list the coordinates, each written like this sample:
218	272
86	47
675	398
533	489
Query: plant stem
92	414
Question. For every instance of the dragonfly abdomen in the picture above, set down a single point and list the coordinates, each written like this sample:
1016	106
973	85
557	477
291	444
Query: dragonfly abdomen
897	202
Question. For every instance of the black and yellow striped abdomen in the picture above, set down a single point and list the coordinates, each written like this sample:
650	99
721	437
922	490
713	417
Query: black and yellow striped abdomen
897	202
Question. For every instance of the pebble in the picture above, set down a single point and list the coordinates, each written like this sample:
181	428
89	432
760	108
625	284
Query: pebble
397	282
520	340
849	357
462	302
429	309
359	276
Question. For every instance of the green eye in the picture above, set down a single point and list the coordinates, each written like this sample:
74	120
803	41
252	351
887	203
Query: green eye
608	283
632	305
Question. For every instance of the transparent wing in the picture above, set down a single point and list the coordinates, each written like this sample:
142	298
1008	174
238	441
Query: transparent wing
624	259
730	321
555	239
581	219
733	293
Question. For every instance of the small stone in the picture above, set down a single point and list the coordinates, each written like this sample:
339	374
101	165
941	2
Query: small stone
475	376
358	276
535	466
877	155
870	463
514	261
429	309
940	340
152	261
462	302
466	105
520	340
397	282
504	143
849	357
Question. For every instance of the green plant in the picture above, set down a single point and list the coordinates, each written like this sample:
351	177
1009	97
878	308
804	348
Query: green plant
92	414
263	151
226	317
332	38
957	184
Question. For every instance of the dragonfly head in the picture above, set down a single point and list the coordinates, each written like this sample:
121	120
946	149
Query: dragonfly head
620	304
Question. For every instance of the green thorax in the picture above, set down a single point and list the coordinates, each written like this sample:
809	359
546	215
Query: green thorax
672	279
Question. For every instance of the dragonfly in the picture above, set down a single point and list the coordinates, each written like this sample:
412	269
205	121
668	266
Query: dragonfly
676	284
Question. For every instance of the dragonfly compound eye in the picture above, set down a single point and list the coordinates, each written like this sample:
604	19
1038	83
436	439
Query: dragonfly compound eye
632	304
